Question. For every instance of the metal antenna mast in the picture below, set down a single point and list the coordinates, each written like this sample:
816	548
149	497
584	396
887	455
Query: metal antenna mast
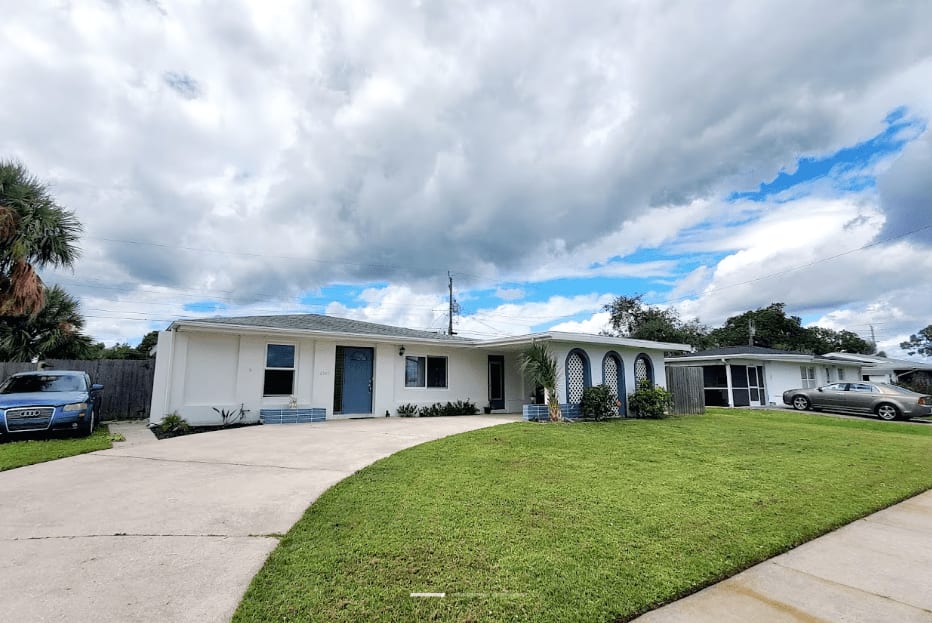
452	304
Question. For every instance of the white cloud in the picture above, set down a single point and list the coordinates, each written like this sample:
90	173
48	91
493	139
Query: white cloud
509	294
596	324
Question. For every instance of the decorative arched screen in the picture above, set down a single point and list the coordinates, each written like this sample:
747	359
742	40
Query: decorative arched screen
577	375
643	369
613	376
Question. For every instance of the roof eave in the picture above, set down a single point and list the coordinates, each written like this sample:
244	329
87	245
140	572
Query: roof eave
371	337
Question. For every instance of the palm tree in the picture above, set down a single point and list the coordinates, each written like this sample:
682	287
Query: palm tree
540	366
52	332
35	232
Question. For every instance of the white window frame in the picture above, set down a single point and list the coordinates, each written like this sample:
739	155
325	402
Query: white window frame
293	368
808	376
427	358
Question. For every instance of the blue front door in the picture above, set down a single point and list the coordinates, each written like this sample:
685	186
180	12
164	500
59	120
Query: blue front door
357	380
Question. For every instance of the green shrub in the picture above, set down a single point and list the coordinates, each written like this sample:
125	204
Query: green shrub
174	423
598	403
464	407
438	409
231	416
406	410
649	401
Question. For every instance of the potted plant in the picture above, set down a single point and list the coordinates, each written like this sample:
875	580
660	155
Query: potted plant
487	409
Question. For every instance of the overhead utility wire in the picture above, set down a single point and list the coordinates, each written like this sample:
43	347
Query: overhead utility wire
266	255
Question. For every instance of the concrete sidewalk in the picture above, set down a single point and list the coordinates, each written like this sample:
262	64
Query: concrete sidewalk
174	530
876	569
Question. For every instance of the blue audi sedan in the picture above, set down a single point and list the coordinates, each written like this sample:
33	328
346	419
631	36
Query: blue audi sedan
49	400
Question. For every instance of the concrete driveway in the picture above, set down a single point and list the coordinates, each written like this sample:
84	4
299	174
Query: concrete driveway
174	530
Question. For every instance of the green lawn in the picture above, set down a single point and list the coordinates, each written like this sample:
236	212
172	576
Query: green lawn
18	453
580	522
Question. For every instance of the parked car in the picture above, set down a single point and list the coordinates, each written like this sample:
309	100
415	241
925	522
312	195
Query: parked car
888	402
49	400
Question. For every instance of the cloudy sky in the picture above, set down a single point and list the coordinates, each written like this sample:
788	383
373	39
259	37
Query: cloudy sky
231	157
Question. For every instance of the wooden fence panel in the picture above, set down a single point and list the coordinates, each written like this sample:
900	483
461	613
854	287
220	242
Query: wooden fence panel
686	385
9	368
127	383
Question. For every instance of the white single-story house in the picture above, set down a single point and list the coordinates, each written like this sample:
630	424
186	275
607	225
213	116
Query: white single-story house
341	368
888	370
742	376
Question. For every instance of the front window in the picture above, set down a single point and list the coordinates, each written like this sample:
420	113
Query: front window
279	370
426	372
841	374
808	376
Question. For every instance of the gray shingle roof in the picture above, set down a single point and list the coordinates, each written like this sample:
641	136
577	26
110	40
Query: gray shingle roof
333	324
729	351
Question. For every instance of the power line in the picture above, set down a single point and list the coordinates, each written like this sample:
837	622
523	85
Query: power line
266	255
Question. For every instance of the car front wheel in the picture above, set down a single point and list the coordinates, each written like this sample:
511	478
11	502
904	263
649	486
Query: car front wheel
86	427
800	403
887	412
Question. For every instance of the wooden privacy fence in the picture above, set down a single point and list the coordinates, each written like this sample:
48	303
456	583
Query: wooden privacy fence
127	382
686	385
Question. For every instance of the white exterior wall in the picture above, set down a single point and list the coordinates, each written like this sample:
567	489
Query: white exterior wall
780	376
596	353
197	371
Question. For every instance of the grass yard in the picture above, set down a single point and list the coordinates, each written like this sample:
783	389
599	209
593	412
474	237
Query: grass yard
27	452
580	522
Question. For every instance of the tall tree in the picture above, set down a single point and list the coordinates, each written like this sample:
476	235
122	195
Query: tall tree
52	332
35	232
631	317
919	343
773	328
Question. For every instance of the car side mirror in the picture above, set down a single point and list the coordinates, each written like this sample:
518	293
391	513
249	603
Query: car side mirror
820	389
96	387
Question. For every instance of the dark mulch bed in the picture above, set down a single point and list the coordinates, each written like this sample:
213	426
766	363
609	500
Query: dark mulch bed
194	430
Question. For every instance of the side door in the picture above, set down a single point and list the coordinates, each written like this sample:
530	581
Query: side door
497	381
861	396
831	396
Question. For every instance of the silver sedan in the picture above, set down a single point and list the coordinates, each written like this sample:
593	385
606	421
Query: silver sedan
888	402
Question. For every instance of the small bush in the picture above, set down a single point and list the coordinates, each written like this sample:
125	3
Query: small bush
598	403
406	410
231	416
438	409
174	423
650	401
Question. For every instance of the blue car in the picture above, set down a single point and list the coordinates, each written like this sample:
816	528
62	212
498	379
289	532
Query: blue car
49	400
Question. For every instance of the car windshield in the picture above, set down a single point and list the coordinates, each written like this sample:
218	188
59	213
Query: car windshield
43	383
897	389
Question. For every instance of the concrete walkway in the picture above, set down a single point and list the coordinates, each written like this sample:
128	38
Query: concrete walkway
174	530
877	569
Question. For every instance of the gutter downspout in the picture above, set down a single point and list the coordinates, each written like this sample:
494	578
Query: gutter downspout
171	364
731	396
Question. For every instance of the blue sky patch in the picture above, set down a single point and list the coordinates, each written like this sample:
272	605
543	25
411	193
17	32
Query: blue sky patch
899	131
205	307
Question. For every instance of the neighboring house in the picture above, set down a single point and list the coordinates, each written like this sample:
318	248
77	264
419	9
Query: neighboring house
347	368
887	370
742	376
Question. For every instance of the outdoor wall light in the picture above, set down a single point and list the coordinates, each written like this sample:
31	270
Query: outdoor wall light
401	351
